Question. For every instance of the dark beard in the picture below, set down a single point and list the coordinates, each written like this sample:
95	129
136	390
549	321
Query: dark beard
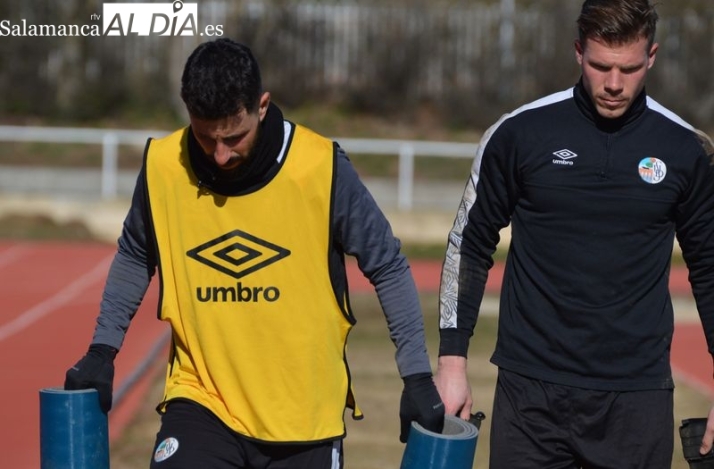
260	166
239	171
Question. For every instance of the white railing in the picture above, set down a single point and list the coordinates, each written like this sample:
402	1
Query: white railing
110	139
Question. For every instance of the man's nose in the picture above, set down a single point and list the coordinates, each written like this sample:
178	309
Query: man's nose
613	83
221	154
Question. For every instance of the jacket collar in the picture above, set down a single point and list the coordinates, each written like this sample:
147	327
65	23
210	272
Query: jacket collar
586	106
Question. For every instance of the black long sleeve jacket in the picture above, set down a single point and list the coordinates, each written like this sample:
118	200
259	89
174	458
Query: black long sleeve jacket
594	207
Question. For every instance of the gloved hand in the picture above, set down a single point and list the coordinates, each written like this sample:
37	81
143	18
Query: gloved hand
691	432
421	402
94	371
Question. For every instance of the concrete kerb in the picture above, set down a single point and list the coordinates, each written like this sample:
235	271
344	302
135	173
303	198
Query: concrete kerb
104	218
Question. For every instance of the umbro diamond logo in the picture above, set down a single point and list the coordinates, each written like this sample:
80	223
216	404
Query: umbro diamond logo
238	253
565	155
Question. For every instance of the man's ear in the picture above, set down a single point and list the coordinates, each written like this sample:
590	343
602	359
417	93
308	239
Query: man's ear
652	55
263	105
578	51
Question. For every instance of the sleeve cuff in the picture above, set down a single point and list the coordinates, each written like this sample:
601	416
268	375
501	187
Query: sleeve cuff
454	342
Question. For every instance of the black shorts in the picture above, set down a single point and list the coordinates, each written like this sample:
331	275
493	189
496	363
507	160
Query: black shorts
537	425
192	437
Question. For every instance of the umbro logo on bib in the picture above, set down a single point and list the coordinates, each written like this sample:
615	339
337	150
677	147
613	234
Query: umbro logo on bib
238	253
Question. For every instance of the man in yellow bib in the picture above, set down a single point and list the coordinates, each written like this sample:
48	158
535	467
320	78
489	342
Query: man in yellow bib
248	217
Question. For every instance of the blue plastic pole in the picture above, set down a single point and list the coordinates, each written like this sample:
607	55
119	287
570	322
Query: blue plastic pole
74	432
453	448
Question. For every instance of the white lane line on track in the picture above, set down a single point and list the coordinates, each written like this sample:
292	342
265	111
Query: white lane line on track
54	302
11	254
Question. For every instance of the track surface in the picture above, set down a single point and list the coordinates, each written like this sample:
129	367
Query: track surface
50	297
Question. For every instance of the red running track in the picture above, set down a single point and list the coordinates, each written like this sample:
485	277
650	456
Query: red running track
50	297
51	294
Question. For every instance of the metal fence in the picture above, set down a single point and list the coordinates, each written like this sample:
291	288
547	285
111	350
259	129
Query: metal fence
110	139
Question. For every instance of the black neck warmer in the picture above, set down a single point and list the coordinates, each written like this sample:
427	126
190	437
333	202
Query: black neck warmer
255	172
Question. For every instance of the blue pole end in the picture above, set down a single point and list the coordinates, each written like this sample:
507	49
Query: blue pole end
454	448
74	432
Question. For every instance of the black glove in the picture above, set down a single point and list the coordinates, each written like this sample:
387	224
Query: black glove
691	432
94	371
420	402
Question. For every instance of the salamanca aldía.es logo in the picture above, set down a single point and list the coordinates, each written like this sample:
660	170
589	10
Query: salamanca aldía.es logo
125	19
155	19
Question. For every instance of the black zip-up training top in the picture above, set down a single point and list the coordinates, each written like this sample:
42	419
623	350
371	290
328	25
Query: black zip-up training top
594	206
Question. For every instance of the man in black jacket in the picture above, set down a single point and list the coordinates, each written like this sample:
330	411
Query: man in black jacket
248	217
595	181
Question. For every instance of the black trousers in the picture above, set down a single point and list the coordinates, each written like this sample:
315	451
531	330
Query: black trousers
192	437
548	426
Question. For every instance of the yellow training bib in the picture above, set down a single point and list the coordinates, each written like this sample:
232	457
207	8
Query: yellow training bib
258	334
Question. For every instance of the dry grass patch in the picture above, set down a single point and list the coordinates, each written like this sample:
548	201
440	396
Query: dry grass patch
373	443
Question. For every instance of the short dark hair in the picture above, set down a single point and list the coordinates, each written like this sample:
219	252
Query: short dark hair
617	22
220	79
